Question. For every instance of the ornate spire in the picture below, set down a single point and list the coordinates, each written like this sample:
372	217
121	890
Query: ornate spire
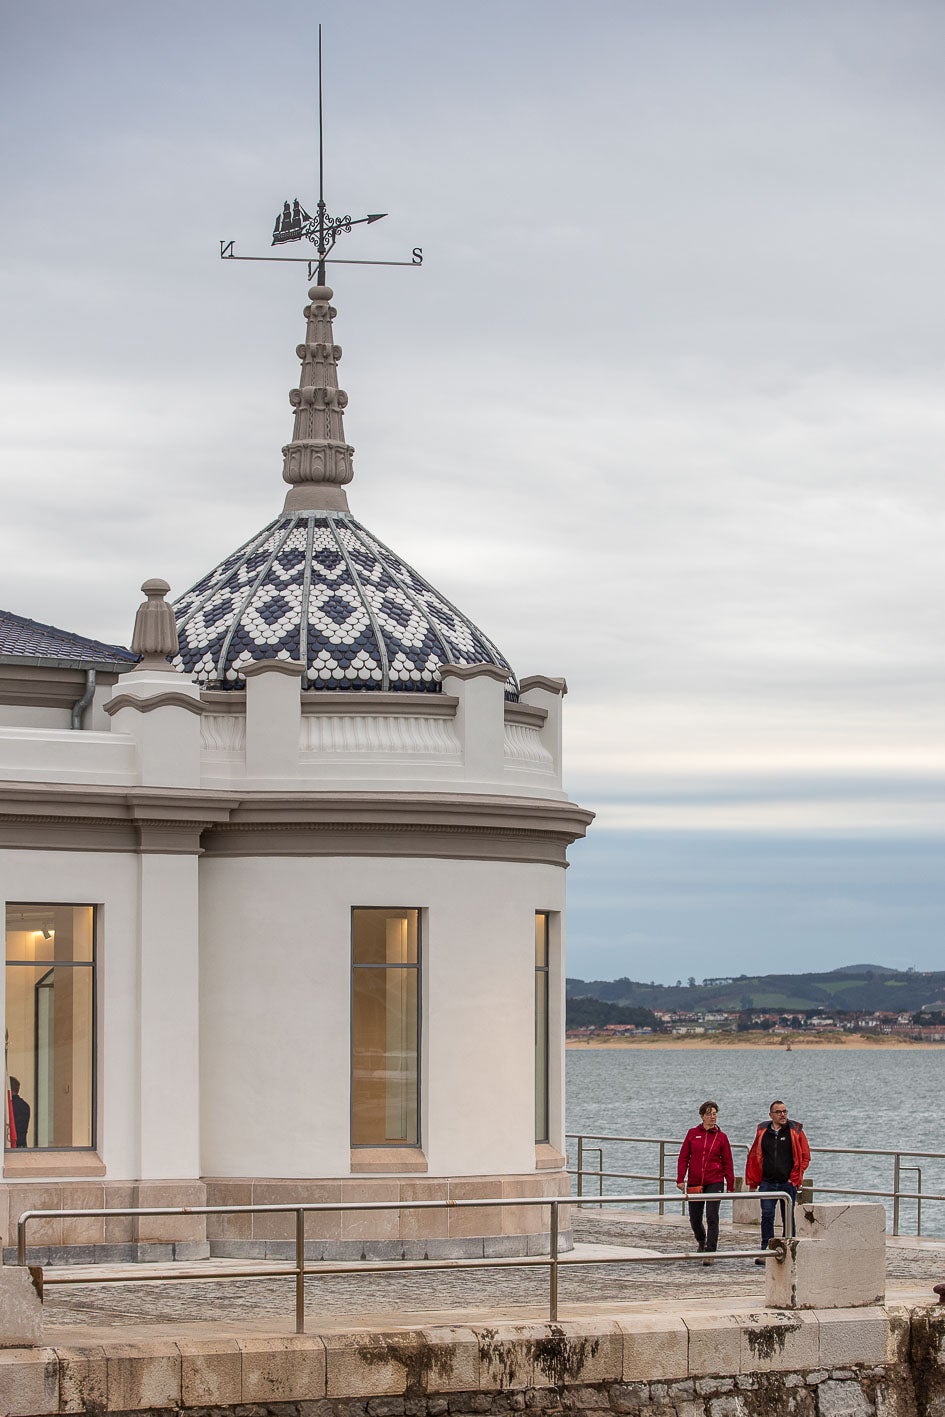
317	463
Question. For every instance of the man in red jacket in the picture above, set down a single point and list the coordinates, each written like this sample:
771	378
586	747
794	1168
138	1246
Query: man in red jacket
778	1158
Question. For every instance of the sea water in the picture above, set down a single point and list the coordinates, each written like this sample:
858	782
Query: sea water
882	1100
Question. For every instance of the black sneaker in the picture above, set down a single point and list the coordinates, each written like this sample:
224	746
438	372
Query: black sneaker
759	1260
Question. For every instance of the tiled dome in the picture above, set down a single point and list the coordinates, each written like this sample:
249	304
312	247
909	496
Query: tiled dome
316	586
319	588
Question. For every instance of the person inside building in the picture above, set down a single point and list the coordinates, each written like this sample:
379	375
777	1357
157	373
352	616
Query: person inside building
19	1115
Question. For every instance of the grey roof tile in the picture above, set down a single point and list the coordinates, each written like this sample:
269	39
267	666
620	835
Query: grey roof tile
25	639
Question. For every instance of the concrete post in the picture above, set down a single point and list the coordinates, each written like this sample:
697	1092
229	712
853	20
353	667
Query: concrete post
548	694
273	718
480	717
21	1308
160	710
748	1211
837	1261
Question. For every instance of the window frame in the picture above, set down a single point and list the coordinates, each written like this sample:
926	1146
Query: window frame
544	971
92	966
418	967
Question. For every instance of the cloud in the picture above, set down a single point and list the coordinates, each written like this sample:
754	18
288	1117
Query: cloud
661	411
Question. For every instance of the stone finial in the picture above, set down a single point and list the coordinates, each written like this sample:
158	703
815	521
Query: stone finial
155	632
318	462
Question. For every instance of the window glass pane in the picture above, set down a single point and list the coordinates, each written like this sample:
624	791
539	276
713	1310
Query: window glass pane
49	1053
541	940
50	932
541	1026
384	1057
385	936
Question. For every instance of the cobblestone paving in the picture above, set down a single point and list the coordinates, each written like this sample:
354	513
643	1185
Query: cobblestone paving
334	1295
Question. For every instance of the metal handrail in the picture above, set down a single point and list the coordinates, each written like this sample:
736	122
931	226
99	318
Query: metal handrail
743	1146
299	1270
895	1195
917	1195
918	1186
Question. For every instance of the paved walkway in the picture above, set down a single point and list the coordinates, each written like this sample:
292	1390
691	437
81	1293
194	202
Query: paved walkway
84	1312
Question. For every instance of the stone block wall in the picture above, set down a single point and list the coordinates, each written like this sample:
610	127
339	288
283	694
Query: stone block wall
461	1233
470	1232
730	1363
95	1237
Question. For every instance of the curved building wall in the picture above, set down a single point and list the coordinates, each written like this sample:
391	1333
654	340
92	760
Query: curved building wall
275	1024
222	869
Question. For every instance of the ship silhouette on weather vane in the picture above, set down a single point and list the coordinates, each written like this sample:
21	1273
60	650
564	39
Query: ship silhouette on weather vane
294	223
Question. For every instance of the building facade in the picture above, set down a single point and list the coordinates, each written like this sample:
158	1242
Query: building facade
284	900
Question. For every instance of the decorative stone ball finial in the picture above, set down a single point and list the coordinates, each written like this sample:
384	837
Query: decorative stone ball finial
155	632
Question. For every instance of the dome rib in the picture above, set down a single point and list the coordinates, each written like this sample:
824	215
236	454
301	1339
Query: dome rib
236	560
473	630
248	599
352	572
306	596
358	535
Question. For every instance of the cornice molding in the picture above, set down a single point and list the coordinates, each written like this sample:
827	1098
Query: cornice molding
224	701
341	702
379	705
167	699
45	686
66	801
68	817
528	715
543	681
474	671
454	842
293	667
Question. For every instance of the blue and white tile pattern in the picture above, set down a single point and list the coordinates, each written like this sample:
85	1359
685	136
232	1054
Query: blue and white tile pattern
320	588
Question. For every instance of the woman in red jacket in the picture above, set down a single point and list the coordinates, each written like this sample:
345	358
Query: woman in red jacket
705	1157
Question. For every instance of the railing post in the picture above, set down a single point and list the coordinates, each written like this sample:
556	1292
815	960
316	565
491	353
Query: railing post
662	1205
21	1241
300	1270
553	1272
896	1194
918	1206
580	1167
600	1174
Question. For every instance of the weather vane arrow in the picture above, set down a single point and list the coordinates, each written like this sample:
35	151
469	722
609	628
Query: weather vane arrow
295	224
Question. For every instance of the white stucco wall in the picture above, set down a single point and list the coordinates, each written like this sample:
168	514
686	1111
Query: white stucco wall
274	1010
61	755
168	1008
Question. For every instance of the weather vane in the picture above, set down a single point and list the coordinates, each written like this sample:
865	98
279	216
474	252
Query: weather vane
294	223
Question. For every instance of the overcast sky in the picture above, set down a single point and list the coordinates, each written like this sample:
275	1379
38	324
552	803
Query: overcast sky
662	410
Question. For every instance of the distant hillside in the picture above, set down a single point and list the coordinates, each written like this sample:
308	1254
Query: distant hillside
583	1012
855	987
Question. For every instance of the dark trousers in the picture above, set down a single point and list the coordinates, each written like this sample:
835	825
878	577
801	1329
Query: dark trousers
769	1207
707	1236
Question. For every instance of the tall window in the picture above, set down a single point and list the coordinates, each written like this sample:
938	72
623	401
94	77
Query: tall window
50	1014
541	1026
385	1027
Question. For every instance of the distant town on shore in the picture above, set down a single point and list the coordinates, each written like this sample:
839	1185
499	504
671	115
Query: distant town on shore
869	1000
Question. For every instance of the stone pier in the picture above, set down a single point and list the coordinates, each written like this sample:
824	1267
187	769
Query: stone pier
883	1362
